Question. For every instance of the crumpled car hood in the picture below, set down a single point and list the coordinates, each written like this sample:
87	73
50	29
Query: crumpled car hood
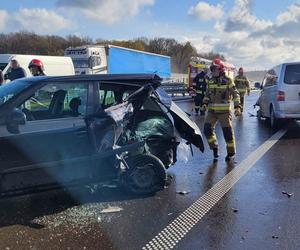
187	128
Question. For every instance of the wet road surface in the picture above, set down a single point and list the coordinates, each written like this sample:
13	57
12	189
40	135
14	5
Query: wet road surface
255	213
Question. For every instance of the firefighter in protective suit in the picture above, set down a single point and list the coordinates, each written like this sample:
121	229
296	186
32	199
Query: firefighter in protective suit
242	84
199	86
219	94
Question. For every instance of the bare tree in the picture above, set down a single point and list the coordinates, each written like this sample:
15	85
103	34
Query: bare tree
30	43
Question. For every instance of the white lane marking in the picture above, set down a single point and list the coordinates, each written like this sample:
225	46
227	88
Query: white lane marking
170	236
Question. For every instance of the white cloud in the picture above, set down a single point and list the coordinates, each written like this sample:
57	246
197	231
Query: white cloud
41	21
206	11
3	19
291	15
254	43
108	12
257	52
241	18
204	43
286	26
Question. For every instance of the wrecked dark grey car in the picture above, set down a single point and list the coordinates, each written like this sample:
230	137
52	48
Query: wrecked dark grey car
61	131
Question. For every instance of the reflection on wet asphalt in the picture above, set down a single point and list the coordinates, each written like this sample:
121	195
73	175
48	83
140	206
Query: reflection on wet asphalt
250	216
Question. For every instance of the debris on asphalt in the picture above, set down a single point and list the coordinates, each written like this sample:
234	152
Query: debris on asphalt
81	216
235	210
183	152
289	195
251	115
201	173
183	192
92	188
275	237
111	210
262	213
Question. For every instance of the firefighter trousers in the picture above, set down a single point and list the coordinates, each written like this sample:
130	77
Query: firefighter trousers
198	99
242	98
225	120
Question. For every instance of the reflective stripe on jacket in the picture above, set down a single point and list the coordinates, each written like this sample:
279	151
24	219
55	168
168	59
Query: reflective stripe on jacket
242	84
219	106
220	93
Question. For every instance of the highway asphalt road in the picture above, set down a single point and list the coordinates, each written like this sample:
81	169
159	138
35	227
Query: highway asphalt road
251	204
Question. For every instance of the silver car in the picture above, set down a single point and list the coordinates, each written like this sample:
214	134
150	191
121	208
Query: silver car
279	99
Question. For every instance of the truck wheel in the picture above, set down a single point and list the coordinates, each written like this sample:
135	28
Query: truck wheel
146	174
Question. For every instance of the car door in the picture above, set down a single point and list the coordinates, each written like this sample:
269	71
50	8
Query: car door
53	147
268	93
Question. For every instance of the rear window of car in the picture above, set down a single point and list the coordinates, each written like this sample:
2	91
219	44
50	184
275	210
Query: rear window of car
292	74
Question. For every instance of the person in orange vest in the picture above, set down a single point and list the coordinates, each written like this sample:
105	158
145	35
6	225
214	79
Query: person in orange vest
219	94
242	84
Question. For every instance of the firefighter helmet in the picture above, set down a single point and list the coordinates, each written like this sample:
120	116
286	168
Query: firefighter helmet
218	64
36	62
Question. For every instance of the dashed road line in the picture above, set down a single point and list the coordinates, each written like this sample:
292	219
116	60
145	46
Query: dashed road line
171	235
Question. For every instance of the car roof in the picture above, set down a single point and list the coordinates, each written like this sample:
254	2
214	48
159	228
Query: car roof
291	63
286	63
135	79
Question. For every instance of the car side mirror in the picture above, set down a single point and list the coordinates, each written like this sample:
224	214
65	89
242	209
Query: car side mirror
13	120
257	85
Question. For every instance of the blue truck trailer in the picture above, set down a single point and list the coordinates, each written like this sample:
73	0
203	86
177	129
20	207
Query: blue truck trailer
112	59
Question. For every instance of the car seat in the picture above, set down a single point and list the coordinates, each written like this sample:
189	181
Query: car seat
57	103
74	106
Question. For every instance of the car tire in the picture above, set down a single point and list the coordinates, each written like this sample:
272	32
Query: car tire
273	121
146	174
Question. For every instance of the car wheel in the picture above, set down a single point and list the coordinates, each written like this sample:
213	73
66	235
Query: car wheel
273	121
146	174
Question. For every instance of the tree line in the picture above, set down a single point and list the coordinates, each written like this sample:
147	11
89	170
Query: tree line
30	43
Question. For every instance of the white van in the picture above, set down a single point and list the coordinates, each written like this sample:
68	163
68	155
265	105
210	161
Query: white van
280	95
54	65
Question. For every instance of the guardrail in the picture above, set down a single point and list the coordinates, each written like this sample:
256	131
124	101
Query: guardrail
177	90
174	88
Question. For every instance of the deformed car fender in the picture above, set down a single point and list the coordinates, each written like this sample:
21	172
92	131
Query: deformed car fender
187	128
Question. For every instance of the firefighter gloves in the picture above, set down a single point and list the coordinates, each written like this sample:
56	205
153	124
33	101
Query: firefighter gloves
237	111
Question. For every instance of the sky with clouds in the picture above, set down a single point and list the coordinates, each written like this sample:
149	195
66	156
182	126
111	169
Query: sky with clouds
252	33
